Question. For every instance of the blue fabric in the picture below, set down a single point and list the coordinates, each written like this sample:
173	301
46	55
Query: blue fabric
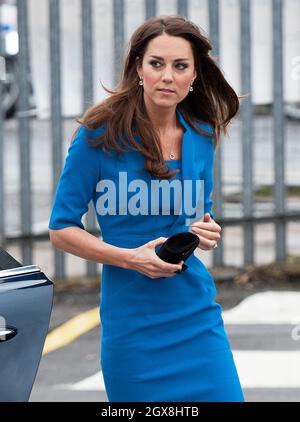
162	339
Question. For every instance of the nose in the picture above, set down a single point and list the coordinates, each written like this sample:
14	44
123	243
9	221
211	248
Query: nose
167	75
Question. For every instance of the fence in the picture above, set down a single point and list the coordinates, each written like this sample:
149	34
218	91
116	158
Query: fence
248	220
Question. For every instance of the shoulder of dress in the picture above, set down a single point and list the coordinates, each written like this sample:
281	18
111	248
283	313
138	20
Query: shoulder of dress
206	138
82	141
207	134
90	133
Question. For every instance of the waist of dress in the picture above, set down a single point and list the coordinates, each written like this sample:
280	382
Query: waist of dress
132	241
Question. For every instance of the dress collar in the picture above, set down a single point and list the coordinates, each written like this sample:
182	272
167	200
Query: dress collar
188	169
182	121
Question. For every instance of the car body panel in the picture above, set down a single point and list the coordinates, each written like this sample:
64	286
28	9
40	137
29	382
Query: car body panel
26	299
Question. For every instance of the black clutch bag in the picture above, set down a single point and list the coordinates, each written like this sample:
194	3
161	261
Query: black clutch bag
178	247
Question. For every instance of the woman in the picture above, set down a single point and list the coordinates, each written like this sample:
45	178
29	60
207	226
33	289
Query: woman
163	337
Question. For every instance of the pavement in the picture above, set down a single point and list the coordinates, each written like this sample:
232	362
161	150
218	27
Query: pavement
263	326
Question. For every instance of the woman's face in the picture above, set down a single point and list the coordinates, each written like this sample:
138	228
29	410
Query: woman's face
168	64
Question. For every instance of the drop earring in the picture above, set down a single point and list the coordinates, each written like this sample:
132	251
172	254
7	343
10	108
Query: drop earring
141	83
191	88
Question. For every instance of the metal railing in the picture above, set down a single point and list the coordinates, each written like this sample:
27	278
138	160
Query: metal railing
247	221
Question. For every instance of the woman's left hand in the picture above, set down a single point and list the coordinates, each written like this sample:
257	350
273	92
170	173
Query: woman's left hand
208	232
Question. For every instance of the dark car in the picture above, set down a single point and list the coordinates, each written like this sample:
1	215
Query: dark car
26	298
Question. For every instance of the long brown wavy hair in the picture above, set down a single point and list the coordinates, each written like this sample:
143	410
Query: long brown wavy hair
124	114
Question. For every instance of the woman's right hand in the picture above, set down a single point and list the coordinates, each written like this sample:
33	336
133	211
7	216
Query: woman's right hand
144	260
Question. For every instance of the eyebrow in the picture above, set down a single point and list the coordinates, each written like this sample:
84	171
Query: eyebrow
176	60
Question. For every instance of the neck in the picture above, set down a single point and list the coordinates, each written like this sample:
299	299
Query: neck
163	119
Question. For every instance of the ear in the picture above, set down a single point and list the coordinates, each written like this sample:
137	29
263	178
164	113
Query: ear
139	70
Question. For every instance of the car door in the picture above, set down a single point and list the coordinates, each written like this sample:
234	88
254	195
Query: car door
26	298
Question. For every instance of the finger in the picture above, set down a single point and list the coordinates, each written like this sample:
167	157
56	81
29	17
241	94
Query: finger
207	226
207	234
207	245
171	268
206	217
168	274
164	265
156	242
204	248
168	268
156	274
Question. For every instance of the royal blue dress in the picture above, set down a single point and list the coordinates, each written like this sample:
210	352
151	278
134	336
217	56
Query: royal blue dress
162	339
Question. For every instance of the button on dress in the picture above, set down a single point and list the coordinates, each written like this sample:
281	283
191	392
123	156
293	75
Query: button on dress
162	339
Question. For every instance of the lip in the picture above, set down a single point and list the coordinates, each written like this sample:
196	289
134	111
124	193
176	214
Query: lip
166	91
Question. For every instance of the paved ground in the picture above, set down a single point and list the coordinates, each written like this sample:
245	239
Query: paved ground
266	351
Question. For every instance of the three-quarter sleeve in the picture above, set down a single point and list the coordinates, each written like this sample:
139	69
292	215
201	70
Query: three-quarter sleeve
77	183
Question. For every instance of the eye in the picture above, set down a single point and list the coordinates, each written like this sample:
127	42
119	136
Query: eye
153	63
182	64
156	64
